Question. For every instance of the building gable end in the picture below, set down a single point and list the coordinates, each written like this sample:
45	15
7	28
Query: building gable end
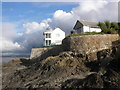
78	25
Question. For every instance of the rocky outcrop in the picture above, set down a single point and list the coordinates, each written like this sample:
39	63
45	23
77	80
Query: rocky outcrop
91	81
107	72
50	72
66	69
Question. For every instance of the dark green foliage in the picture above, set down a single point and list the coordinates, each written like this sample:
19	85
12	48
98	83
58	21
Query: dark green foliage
114	25
119	29
102	25
109	27
108	24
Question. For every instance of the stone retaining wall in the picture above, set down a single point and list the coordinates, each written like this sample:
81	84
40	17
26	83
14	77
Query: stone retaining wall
85	45
36	52
88	44
42	53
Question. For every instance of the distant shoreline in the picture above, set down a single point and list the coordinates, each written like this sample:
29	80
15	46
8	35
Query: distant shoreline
9	58
15	56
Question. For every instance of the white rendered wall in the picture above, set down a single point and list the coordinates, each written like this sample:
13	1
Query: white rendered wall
95	30
86	29
57	36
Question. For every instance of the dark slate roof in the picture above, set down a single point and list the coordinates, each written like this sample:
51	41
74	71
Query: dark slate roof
88	23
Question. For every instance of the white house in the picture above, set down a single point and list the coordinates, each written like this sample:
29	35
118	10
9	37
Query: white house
53	37
86	26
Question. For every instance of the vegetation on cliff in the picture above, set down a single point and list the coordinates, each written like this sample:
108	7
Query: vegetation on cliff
108	27
86	33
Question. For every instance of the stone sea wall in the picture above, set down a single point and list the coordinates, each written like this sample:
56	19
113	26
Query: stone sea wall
89	43
42	53
36	52
84	45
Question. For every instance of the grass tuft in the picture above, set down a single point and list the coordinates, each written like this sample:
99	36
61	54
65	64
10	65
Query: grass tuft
86	33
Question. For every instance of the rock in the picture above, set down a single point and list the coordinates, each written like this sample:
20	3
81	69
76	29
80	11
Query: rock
111	79
118	52
91	81
66	70
50	69
103	53
91	56
65	54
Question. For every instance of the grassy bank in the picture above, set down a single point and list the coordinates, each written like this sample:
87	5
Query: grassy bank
86	33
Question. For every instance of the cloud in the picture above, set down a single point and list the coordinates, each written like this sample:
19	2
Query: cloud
9	31
91	5
97	10
64	20
34	26
8	45
32	36
8	38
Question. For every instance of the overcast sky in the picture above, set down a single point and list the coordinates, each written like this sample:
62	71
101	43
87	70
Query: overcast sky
23	23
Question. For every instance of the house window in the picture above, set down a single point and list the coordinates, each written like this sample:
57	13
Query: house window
48	42
48	35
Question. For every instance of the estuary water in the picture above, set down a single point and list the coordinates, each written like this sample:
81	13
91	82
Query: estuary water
7	59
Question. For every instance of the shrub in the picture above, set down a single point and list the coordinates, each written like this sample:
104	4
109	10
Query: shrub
109	27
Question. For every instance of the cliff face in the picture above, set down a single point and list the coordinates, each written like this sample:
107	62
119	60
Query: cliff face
71	69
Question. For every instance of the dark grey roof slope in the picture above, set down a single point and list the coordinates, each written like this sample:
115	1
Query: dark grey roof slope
88	23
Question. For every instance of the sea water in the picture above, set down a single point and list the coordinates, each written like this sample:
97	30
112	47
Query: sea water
7	59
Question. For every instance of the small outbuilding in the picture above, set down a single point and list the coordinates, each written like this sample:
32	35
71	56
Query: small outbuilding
53	37
82	26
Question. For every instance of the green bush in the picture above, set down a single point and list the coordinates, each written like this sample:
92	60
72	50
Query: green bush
109	27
